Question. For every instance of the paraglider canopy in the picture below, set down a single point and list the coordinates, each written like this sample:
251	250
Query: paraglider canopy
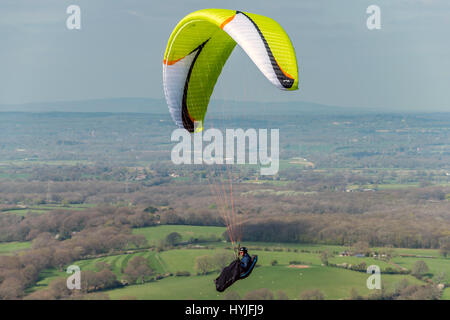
199	47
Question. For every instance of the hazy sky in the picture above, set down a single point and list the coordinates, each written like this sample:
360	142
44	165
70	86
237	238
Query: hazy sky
119	51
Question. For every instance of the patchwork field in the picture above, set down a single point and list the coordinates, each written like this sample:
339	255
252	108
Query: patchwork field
446	294
12	247
44	208
276	269
157	233
333	282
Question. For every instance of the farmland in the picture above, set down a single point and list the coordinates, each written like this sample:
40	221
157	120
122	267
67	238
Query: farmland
99	191
23	210
13	247
334	282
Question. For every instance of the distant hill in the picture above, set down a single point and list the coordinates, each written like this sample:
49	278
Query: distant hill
281	108
115	105
159	106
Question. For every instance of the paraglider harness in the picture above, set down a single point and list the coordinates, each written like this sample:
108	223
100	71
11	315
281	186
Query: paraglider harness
234	271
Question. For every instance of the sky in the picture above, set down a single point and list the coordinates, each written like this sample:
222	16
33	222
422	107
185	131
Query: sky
118	52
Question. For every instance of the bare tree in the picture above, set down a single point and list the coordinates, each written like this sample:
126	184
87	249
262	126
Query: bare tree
203	264
138	269
259	294
314	294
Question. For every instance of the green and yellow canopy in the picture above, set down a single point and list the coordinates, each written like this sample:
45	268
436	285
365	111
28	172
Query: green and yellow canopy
200	45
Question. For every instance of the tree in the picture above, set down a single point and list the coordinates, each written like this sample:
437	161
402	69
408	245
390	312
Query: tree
400	285
139	241
203	264
354	295
439	277
232	295
426	293
88	281
324	257
419	268
11	288
95	296
160	245
173	238
151	209
314	294
137	270
444	249
222	259
361	247
362	266
259	294
382	294
58	288
61	257
44	239
43	294
30	273
416	292
281	295
388	252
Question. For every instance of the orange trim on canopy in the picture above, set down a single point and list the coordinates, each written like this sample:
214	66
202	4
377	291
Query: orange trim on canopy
285	73
171	62
226	22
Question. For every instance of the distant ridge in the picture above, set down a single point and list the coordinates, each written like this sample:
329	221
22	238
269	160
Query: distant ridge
159	106
113	105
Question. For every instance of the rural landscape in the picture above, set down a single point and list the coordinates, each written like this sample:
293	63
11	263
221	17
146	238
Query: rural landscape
98	190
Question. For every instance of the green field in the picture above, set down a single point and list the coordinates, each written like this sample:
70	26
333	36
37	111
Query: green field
13	176
120	262
45	278
44	208
11	247
384	186
154	234
31	162
287	193
334	282
417	252
446	294
435	265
